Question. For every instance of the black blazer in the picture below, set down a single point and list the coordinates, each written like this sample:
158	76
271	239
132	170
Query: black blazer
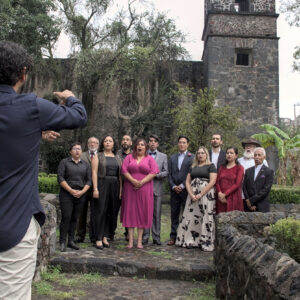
258	191
176	176
221	158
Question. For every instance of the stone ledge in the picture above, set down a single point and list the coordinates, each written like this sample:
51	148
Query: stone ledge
140	263
248	269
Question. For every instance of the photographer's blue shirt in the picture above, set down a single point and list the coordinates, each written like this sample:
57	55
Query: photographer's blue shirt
22	119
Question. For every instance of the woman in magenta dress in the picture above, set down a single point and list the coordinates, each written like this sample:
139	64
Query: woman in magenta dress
229	183
139	170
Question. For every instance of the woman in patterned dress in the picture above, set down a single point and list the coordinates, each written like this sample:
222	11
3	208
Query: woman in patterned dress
197	226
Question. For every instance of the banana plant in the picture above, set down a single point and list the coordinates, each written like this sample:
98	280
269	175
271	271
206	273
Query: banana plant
274	136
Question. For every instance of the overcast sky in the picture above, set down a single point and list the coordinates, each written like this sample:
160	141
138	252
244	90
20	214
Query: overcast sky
189	18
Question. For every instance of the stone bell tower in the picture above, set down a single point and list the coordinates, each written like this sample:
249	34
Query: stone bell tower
241	58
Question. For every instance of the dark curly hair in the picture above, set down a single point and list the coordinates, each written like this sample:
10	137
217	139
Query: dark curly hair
115	148
13	59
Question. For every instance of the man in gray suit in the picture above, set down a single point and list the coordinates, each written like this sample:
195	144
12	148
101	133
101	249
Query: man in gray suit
93	145
162	163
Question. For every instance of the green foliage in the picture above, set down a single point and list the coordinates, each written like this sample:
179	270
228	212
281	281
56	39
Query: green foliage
52	154
31	23
57	285
48	184
287	233
278	138
82	21
284	194
195	115
205	291
291	9
274	136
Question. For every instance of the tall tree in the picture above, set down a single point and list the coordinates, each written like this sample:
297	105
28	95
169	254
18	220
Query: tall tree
292	10
31	23
195	115
88	26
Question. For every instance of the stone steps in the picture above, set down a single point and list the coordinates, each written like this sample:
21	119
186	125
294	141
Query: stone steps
152	262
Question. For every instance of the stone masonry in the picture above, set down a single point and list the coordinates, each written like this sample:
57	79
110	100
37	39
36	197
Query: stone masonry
246	268
250	85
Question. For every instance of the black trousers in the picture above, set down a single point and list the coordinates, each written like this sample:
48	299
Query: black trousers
82	220
177	204
105	209
70	210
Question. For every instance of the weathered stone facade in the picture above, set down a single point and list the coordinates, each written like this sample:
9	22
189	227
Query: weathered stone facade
258	6
251	85
47	241
246	268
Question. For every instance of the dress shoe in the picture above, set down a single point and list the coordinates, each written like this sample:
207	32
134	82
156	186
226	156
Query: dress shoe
99	247
145	241
171	242
72	245
106	245
62	247
157	242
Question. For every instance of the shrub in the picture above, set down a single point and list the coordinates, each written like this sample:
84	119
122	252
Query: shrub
284	194
52	154
287	233
48	184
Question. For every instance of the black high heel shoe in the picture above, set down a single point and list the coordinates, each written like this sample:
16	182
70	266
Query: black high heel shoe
99	247
106	245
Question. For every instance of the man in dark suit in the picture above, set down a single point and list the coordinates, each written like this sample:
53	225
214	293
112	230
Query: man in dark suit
179	165
216	154
162	163
87	156
257	184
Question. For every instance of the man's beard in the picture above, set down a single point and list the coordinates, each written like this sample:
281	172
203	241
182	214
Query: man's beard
93	149
125	147
248	154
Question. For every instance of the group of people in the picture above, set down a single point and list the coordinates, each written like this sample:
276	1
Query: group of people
202	185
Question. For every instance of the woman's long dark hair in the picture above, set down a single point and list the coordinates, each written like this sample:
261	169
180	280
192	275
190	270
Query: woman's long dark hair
101	149
134	151
236	151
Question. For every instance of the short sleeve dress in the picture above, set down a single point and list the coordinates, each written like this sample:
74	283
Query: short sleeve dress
137	205
197	226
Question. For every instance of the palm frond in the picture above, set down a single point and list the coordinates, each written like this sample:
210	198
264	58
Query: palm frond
270	127
265	139
295	139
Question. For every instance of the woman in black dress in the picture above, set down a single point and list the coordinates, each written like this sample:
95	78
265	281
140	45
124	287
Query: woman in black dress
197	226
106	167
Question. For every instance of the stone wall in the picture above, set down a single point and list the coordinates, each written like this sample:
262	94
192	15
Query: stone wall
240	25
115	107
47	241
254	88
255	6
246	268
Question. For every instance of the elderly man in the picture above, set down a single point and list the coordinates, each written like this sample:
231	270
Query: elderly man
162	163
23	117
257	184
247	161
87	156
